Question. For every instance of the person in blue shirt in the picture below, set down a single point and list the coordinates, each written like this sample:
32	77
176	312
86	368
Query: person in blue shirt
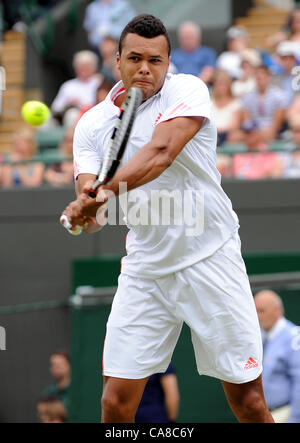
191	57
160	400
281	358
106	17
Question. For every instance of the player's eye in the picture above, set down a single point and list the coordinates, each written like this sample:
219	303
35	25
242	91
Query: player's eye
155	60
134	58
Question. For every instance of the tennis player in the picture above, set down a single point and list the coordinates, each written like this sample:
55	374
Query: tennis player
168	275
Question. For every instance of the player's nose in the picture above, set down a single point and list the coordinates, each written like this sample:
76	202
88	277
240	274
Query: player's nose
144	68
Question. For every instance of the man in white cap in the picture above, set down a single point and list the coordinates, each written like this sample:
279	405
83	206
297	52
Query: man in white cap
286	52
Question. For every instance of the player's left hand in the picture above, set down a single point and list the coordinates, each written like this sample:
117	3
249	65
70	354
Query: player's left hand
83	210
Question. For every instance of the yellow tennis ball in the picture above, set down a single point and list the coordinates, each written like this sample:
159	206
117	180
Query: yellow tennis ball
35	113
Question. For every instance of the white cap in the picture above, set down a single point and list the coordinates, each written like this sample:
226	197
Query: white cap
286	48
237	32
251	56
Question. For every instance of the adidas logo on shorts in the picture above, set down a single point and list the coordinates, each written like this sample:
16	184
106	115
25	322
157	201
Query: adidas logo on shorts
251	363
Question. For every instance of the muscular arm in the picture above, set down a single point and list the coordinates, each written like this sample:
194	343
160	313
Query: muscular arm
168	139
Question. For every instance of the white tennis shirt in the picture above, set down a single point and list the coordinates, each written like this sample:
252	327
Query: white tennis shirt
201	219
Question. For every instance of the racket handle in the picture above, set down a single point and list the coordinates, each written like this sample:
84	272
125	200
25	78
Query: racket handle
92	193
66	224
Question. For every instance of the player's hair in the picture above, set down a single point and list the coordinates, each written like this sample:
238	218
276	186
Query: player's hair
145	25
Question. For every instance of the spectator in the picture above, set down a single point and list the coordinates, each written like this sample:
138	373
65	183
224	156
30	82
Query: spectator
101	94
291	160
80	91
264	108
250	59
106	17
26	173
291	31
160	400
226	108
51	410
256	162
287	59
108	49
230	60
61	174
60	370
281	358
192	57
103	90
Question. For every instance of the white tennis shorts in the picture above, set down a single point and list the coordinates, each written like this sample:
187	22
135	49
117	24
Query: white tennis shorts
213	297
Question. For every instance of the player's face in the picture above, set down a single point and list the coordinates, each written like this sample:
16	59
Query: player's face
144	63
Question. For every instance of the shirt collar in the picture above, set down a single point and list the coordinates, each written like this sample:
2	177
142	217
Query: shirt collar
279	325
118	89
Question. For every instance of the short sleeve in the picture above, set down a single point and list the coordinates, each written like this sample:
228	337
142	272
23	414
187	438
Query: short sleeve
86	156
187	96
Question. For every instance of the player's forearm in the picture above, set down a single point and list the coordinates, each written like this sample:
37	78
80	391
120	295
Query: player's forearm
150	162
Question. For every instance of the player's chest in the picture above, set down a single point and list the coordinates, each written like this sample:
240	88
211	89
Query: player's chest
141	134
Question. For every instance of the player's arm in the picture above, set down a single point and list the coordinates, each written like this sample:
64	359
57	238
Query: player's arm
172	397
168	139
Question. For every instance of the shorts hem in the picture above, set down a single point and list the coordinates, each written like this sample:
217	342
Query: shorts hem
236	381
135	376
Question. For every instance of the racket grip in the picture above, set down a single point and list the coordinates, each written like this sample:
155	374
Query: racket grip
92	193
66	224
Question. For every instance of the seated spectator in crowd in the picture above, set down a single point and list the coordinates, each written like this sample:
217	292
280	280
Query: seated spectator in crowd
80	91
160	400
291	31
60	370
281	358
256	163
291	160
101	94
108	49
230	60
51	410
106	17
61	174
264	108
103	90
192	57
226	108
250	59
287	59
28	173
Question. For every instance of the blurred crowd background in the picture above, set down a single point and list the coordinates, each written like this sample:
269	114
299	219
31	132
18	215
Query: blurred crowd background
254	91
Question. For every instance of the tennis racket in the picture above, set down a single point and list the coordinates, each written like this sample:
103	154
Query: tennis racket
115	149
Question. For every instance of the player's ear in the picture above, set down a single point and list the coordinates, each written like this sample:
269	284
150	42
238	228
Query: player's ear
118	59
